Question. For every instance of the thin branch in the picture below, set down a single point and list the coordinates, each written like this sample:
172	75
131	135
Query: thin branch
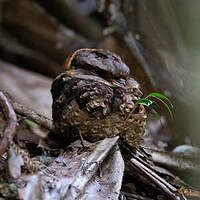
33	116
10	129
167	188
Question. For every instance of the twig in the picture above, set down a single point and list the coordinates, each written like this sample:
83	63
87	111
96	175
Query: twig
169	190
10	129
138	164
33	116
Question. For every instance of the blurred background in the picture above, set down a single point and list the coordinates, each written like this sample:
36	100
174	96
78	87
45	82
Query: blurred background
158	40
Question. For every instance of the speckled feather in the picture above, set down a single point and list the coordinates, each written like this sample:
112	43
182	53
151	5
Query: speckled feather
97	107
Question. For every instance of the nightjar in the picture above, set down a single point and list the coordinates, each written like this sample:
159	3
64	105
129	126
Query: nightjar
97	98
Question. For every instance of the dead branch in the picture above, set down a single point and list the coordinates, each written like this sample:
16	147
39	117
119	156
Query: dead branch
167	188
10	129
33	116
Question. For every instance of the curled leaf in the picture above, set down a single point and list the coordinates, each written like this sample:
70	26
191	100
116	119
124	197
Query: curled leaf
160	96
151	104
145	102
167	107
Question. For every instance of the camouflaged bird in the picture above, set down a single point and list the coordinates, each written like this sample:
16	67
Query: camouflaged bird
97	98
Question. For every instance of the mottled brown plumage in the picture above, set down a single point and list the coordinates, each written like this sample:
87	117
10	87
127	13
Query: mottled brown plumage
97	98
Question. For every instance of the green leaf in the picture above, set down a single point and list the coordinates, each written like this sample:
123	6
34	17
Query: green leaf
168	108
30	123
160	96
145	102
149	104
152	104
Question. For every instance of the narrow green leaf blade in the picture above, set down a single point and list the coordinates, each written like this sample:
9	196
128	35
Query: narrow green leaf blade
150	104
160	96
30	123
167	107
145	102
